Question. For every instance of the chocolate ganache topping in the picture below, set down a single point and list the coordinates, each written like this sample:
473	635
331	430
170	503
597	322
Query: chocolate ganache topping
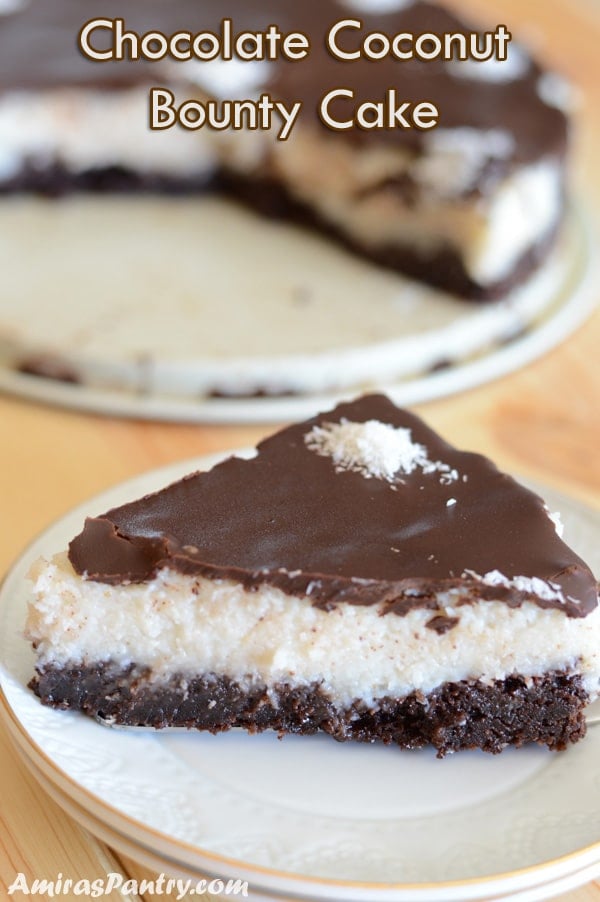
304	516
38	52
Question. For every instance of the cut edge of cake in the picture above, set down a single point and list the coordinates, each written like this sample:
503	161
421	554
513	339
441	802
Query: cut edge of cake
171	634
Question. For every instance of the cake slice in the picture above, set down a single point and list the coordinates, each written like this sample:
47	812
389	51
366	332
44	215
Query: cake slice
357	576
471	206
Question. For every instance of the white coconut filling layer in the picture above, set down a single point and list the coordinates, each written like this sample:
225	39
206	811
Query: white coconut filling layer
84	130
356	193
183	625
519	215
88	129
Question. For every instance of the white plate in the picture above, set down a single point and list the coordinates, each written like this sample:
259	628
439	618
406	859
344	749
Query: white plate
307	816
153	338
172	868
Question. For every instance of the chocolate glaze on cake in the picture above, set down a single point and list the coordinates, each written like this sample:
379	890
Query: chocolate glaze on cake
286	518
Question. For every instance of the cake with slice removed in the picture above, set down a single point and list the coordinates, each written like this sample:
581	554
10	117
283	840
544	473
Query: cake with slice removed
471	206
357	576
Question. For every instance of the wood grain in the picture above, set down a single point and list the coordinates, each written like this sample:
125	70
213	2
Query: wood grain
37	839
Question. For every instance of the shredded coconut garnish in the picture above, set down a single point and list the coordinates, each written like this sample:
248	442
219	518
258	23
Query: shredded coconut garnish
375	450
514	67
532	585
556	519
556	91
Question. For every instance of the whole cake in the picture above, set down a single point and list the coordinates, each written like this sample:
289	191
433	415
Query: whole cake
357	576
471	206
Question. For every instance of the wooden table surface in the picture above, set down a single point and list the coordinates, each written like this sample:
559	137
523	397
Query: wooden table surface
541	422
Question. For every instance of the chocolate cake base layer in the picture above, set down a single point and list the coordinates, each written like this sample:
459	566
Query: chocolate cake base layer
548	710
442	268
